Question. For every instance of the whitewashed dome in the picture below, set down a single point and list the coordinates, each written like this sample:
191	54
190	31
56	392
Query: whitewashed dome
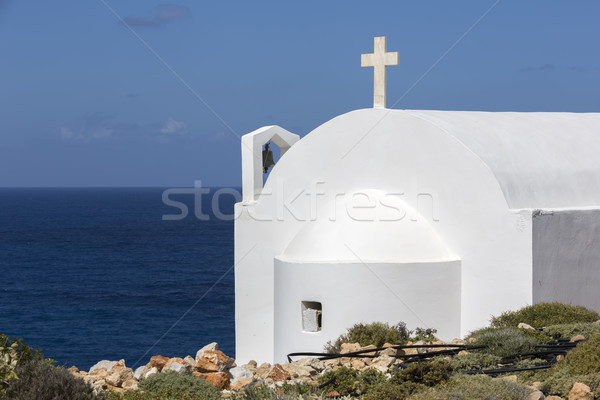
389	232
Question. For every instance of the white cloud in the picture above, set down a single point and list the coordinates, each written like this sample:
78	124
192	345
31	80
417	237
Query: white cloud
174	127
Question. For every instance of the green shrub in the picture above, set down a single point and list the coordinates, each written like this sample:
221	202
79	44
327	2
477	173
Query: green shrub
424	334
343	380
468	387
473	361
173	383
567	331
369	378
392	391
41	380
503	342
13	352
545	314
376	333
585	358
427	373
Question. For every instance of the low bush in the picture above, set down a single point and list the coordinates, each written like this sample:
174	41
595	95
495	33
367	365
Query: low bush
585	358
503	342
343	380
545	314
392	391
473	361
176	385
467	387
41	380
424	334
376	333
567	331
427	373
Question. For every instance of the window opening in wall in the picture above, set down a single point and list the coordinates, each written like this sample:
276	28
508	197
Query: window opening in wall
312	316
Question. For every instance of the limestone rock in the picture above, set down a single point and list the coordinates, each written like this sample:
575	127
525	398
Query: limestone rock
114	379
98	373
158	362
358	364
313	363
130	384
523	325
263	370
151	371
220	380
189	360
214	361
554	398
581	391
106	364
382	363
238	373
214	346
349	348
536	395
278	374
73	369
140	372
577	338
235	385
298	371
176	366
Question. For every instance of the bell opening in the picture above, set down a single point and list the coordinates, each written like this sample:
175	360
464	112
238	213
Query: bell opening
270	155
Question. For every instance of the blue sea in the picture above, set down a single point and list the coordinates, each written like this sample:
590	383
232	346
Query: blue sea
88	274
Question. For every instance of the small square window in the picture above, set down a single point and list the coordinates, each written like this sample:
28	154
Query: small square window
312	312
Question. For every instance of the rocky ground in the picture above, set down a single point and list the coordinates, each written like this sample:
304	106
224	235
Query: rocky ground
221	371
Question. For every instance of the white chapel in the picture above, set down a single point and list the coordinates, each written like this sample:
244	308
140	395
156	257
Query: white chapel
440	219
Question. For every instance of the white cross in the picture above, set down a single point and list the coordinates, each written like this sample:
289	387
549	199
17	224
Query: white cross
379	59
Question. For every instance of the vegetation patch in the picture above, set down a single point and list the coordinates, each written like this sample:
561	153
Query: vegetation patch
567	331
545	314
467	387
503	342
376	333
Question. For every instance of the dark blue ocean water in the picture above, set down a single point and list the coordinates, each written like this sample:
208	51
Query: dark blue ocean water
96	273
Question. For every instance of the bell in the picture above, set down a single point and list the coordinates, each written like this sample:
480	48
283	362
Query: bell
267	158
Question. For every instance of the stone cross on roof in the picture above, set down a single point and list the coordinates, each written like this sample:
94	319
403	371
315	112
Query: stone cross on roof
379	59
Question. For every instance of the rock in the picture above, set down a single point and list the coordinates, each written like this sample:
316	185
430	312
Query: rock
189	360
238	373
214	346
358	364
151	371
334	362
298	371
523	325
123	371
252	363
349	348
333	394
120	363
536	385
98	373
457	341
263	370
176	366
382	363
554	398
158	362
577	338
130	384
240	384
313	363
220	380
139	372
107	365
462	352
581	391
73	369
114	379
278	374
369	347
214	361
560	357
389	352
536	395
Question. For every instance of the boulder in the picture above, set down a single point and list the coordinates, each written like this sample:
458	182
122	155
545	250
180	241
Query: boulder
106	364
577	338
114	379
349	348
140	372
235	385
176	366
581	391
98	373
158	362
382	363
262	370
214	361
214	346
313	363
151	371
189	360
238	373
536	395
278	374
130	384
523	325
73	369
220	380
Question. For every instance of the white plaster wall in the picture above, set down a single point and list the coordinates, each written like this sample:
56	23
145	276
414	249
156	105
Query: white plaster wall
566	256
350	293
392	151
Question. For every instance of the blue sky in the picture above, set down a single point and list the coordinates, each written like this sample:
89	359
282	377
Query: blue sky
83	102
